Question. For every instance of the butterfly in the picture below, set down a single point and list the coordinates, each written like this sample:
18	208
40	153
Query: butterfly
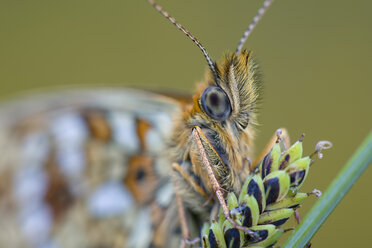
124	168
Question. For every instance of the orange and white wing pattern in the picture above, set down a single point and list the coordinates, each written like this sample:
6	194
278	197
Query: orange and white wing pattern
86	168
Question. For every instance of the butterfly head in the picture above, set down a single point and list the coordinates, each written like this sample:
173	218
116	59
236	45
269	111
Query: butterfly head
224	110
233	98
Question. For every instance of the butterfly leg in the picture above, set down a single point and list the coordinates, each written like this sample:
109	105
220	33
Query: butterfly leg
298	220
186	241
218	190
281	134
190	180
297	216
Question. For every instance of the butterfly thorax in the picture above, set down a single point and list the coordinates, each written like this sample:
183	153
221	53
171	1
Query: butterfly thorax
225	113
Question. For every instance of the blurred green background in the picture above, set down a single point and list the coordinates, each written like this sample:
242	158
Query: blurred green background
315	55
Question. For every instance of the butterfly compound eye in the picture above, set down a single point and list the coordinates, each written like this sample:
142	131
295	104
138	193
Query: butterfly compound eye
216	103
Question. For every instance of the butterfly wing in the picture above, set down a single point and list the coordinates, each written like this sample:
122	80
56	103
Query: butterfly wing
84	168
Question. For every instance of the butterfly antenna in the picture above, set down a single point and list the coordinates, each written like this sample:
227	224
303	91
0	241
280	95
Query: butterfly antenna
211	64
253	24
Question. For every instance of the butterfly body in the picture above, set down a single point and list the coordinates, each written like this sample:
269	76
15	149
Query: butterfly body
98	162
